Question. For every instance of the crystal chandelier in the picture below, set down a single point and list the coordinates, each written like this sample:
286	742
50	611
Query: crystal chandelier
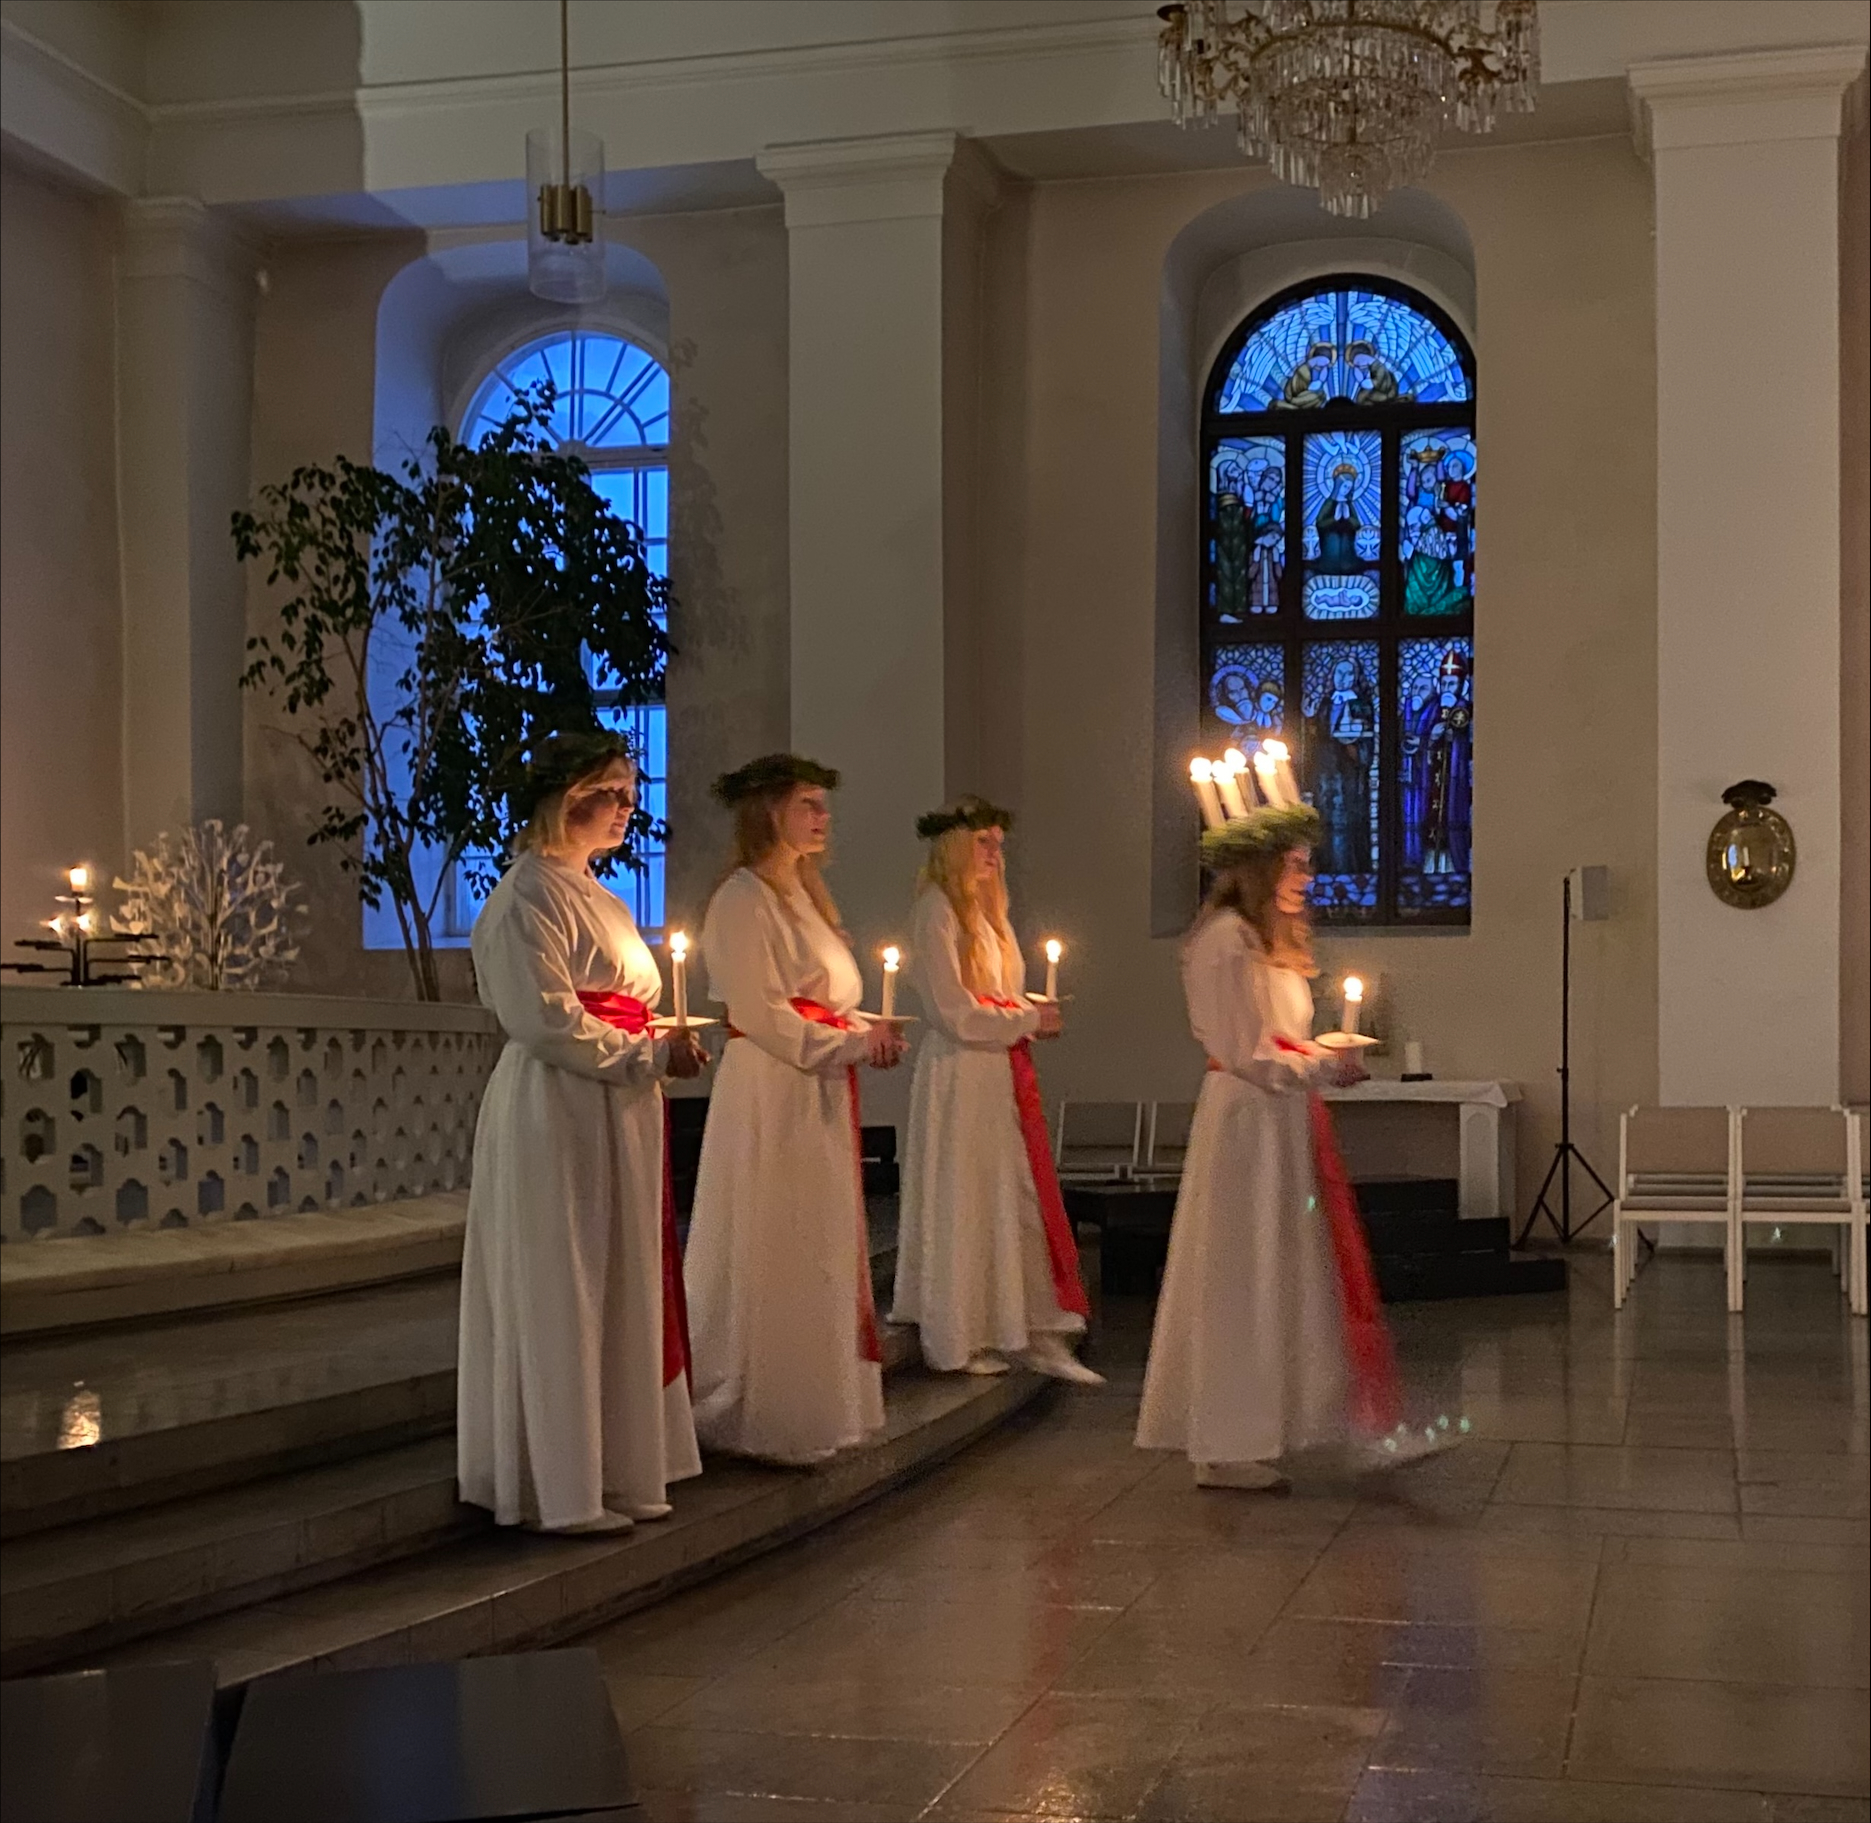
1347	96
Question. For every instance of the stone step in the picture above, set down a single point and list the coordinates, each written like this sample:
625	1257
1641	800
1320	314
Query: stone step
84	1587
51	1286
115	1419
496	1590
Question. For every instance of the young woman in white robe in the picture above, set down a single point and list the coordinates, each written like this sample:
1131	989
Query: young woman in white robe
1267	1339
788	1366
573	1403
987	1267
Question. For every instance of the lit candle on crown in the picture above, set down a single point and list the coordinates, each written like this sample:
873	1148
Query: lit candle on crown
1054	950
1282	770
893	960
1354	1005
1202	777
679	974
1228	783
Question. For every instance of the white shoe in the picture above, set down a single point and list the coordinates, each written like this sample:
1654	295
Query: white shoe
644	1515
1050	1356
984	1363
1260	1477
585	1528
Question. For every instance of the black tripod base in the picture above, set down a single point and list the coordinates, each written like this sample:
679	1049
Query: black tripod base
1559	1173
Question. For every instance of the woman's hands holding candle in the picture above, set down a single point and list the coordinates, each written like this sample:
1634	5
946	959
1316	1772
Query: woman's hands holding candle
884	1046
687	1059
1051	1021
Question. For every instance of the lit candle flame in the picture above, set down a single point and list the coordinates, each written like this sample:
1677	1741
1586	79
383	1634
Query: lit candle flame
893	958
1054	949
678	944
1354	987
1235	760
1201	770
1275	750
80	878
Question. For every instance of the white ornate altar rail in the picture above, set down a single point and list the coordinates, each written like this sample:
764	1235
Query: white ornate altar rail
123	1109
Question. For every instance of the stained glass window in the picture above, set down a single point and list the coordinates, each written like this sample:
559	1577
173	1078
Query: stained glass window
1338	582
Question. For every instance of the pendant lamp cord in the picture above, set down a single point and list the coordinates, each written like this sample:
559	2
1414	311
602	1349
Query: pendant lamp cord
565	92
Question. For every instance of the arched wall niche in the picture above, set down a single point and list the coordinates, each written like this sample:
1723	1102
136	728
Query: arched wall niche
446	318
1223	265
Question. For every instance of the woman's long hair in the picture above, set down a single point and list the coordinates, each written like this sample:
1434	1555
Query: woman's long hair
544	831
1248	888
757	834
949	870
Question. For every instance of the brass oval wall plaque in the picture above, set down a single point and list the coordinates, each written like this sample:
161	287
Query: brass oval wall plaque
1751	853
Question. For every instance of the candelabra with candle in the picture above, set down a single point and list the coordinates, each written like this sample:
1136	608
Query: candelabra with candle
75	936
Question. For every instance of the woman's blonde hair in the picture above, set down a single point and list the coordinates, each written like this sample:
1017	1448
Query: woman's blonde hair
757	834
949	870
1248	887
544	829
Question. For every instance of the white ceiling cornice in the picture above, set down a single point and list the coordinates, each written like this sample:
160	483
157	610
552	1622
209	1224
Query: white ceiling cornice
66	113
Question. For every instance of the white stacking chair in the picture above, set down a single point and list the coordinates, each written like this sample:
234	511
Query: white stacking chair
1098	1142
1166	1142
1803	1167
1674	1165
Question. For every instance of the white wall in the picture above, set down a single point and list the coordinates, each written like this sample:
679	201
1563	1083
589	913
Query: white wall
61	756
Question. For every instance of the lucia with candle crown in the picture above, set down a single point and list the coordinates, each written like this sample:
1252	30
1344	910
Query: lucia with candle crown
788	1361
1269	1339
987	1268
572	1385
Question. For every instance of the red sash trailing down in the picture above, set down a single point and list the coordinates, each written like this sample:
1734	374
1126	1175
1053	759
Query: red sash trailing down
870	1348
1068	1289
630	1015
1375	1400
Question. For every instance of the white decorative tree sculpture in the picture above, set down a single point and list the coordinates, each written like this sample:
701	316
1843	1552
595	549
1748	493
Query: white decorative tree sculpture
221	906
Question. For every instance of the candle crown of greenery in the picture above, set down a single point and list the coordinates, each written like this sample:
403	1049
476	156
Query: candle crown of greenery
965	813
1272	829
773	772
440	622
560	761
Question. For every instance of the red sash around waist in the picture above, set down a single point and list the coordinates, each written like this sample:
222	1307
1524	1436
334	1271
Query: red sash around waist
628	1014
870	1347
1376	1403
1068	1289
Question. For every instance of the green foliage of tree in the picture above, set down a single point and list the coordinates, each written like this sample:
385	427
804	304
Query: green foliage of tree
438	624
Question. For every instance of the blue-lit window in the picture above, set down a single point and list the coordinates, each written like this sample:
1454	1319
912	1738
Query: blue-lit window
612	412
1338	583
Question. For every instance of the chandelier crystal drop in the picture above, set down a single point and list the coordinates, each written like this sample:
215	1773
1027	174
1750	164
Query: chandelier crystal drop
1347	96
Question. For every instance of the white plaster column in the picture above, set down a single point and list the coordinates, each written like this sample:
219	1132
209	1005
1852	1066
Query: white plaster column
185	311
865	374
1745	151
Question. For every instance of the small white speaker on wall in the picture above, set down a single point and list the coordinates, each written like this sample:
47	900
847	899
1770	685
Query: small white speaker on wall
1591	894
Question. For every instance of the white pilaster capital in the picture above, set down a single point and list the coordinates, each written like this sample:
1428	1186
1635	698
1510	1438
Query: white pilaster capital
889	177
1679	103
181	237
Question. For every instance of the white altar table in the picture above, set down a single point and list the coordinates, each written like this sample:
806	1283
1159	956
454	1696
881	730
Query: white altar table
1485	1164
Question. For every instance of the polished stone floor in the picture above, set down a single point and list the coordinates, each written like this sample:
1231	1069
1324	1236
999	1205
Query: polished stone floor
1639	1594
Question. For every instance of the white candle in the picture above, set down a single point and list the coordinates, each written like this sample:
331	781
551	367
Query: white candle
1054	950
1269	779
893	960
1282	770
1202	777
679	974
1354	1003
1227	781
1412	1058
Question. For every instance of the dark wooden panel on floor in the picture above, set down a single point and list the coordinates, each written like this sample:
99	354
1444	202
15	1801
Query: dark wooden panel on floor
108	1746
522	1736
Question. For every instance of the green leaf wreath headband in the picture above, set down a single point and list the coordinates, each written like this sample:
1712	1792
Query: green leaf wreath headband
968	812
1272	829
773	772
560	761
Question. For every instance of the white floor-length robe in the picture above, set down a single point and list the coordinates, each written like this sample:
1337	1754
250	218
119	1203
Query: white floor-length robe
778	1265
973	1272
562	1406
1247	1359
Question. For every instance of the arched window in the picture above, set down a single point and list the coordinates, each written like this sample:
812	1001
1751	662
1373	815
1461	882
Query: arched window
1338	582
611	411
